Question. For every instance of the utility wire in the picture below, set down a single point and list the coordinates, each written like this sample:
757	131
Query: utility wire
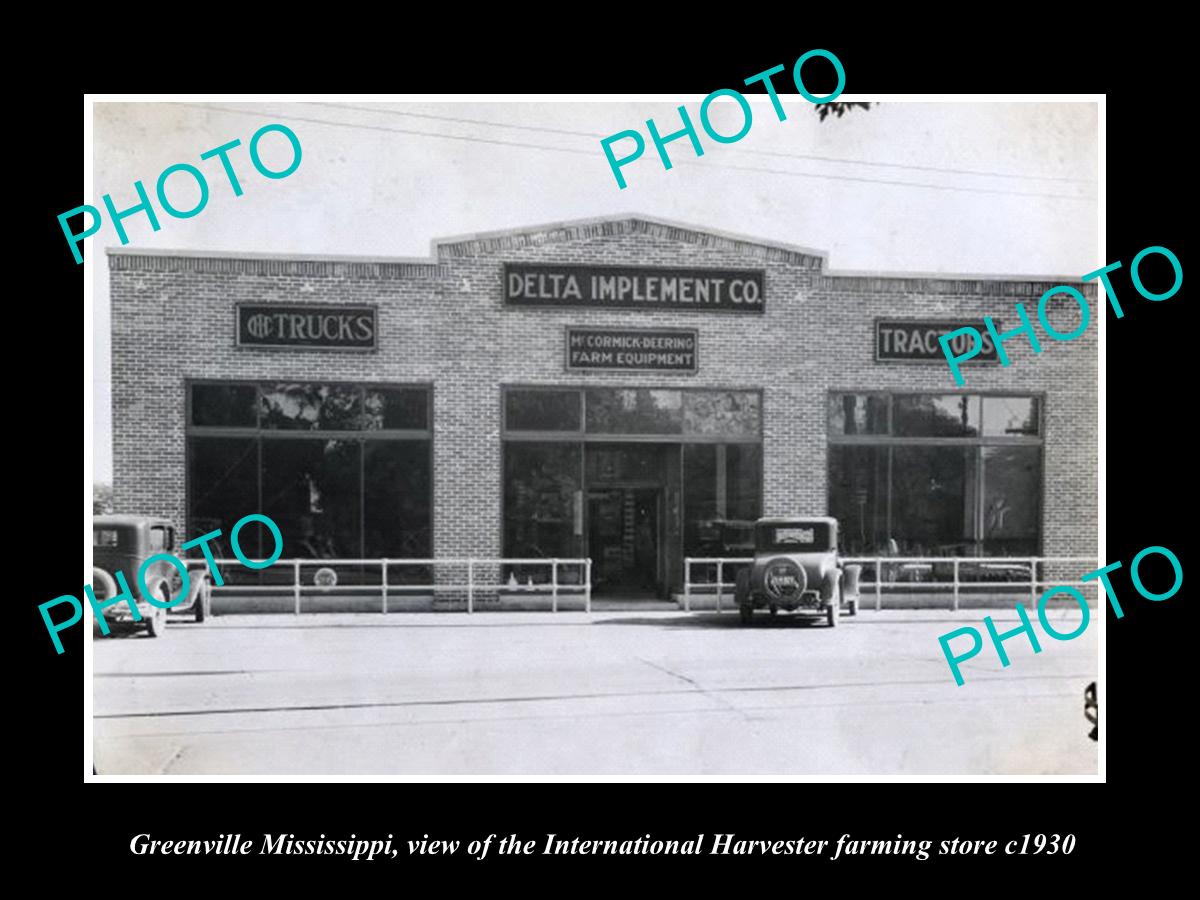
595	134
493	141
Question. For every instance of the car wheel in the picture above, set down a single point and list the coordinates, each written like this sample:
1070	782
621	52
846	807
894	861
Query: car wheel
741	588
833	612
852	607
156	624
201	612
747	613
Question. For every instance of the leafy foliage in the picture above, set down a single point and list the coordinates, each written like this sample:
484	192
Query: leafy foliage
838	109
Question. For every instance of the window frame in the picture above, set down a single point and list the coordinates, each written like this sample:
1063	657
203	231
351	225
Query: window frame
978	442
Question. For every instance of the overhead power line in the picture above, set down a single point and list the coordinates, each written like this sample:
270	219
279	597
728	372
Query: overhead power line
497	142
805	156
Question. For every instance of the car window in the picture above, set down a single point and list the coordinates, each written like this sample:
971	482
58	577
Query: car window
158	538
796	538
105	537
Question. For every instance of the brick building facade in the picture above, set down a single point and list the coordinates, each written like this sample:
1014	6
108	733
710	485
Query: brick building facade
787	412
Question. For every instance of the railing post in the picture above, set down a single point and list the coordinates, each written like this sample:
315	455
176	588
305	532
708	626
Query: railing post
296	587
554	585
720	581
384	583
878	584
956	584
1032	581
587	595
470	585
687	584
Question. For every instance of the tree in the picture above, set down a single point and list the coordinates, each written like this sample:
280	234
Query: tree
837	109
102	499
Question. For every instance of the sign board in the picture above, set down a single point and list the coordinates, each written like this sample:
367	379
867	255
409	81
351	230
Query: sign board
624	287
632	349
306	326
916	340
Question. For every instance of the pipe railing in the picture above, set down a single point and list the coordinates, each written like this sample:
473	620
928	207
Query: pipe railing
909	564
554	586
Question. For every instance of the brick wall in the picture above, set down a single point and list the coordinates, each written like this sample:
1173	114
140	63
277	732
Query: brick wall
443	322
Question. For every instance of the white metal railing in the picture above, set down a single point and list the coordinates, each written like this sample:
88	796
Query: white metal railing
907	564
554	587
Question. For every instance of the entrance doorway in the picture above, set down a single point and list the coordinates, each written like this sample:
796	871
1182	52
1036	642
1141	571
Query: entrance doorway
625	541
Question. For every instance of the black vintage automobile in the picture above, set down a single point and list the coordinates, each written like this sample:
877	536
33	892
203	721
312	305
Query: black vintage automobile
123	543
796	568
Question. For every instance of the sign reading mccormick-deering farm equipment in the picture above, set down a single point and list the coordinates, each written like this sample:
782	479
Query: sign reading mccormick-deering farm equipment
624	349
623	287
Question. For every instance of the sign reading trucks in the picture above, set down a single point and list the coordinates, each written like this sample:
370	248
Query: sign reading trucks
304	326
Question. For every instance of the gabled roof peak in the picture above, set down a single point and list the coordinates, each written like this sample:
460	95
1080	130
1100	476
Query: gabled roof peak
495	242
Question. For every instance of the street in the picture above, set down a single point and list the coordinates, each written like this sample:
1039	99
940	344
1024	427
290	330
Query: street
621	694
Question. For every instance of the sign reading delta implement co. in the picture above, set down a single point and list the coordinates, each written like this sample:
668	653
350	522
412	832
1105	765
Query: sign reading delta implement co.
613	287
660	349
916	340
298	327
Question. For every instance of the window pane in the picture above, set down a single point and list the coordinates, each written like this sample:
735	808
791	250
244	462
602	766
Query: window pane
225	404
396	501
634	411
743	481
311	406
1012	478
1010	415
311	489
105	537
726	413
858	414
858	495
396	408
222	488
933	415
541	482
625	462
933	500
158	538
703	534
542	410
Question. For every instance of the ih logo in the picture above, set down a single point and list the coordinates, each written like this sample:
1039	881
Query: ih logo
259	326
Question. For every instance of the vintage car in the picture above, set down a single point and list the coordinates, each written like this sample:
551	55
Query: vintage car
123	543
796	567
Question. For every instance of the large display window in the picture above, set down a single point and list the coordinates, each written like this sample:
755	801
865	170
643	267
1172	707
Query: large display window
936	474
344	470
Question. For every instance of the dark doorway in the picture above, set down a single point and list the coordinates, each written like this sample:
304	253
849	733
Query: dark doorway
625	542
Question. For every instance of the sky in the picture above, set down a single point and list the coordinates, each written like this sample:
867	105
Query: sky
946	188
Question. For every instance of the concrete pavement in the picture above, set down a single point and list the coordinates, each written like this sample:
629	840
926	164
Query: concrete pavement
656	694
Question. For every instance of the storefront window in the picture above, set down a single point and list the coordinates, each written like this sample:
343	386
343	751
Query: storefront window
232	405
399	408
529	410
312	491
332	496
858	414
724	413
858	496
541	493
932	509
934	415
634	411
1010	415
396	502
311	407
222	488
1011	512
957	475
